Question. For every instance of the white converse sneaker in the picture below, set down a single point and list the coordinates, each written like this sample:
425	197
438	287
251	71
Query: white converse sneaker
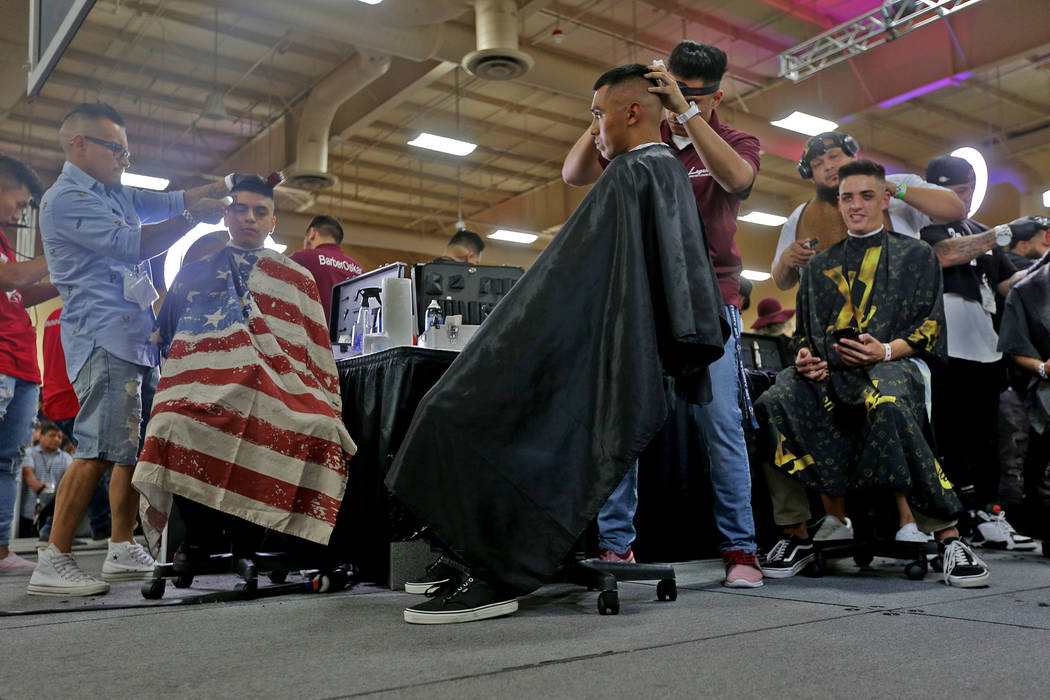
996	532
834	530
911	533
127	561
57	574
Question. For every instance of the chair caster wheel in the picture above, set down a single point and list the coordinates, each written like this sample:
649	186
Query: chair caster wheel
153	589
248	588
277	576
816	568
915	570
667	590
863	558
608	603
184	581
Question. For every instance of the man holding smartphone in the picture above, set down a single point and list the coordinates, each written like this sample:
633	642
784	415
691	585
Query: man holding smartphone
850	413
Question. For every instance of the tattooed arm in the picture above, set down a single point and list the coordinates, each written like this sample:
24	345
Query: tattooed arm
963	249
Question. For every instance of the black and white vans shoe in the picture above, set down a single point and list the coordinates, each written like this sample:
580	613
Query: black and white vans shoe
471	600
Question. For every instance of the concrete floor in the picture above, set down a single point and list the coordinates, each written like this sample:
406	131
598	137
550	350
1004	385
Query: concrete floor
863	634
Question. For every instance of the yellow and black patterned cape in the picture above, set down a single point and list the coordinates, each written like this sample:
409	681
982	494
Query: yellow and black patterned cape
863	426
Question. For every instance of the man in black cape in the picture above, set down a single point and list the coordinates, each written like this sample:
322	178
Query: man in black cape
850	414
527	434
1025	336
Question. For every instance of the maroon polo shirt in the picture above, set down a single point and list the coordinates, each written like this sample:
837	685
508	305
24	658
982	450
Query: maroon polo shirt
718	208
329	265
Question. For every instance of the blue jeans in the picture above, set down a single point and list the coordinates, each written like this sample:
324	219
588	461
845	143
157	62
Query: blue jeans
616	518
98	508
18	400
721	427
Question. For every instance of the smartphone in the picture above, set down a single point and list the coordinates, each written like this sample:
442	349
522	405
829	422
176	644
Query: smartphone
839	333
810	244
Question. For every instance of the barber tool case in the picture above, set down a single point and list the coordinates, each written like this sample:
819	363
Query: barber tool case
462	289
764	352
347	300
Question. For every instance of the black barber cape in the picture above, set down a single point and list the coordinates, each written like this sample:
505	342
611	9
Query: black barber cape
1026	331
516	448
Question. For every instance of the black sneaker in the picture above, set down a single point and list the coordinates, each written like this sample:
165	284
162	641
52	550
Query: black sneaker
472	599
438	573
962	568
788	557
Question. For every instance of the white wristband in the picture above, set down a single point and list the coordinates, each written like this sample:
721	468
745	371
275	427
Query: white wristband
229	182
1042	371
889	352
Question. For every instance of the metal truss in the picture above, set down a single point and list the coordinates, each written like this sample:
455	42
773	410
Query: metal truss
883	24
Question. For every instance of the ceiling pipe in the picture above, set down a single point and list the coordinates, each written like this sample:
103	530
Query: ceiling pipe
310	170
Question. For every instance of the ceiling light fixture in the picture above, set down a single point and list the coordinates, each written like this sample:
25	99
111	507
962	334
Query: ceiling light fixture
755	275
146	182
763	219
513	236
369	2
980	171
1046	198
805	124
443	144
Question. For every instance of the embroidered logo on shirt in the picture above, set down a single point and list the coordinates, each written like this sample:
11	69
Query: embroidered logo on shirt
341	264
699	172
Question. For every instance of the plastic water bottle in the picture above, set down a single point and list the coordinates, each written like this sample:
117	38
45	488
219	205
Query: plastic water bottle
433	315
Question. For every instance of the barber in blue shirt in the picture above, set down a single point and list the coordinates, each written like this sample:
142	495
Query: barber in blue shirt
98	238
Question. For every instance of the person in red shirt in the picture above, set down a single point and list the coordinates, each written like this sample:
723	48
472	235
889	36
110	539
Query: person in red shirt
722	164
61	408
19	372
323	256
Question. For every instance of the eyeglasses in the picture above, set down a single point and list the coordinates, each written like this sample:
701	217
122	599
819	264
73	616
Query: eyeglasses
119	152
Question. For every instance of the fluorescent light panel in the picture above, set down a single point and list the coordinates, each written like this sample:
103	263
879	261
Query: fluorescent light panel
980	171
443	144
763	219
367	2
755	275
1046	198
146	182
805	124
513	236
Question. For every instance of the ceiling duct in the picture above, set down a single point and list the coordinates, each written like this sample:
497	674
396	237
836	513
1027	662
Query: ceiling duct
497	56
310	170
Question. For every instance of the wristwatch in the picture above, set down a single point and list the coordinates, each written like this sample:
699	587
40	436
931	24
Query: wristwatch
688	114
190	218
1003	235
901	190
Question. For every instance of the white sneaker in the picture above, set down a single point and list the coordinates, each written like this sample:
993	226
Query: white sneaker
834	530
911	533
57	574
994	531
14	564
127	561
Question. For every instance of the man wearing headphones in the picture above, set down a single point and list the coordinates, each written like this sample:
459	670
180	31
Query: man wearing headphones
817	224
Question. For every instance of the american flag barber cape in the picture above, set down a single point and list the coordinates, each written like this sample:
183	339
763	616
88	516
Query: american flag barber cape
247	418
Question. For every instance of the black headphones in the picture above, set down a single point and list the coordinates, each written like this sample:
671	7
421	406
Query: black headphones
816	146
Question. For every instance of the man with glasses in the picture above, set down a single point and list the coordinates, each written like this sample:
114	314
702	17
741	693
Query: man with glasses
98	238
722	164
19	372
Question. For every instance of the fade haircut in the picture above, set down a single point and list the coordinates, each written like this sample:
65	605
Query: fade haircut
692	60
253	183
94	111
863	166
14	174
469	240
622	74
327	226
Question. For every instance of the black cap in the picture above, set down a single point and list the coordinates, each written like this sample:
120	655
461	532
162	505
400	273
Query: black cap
948	170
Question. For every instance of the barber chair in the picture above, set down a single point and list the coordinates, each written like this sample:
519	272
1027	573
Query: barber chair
596	575
214	543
